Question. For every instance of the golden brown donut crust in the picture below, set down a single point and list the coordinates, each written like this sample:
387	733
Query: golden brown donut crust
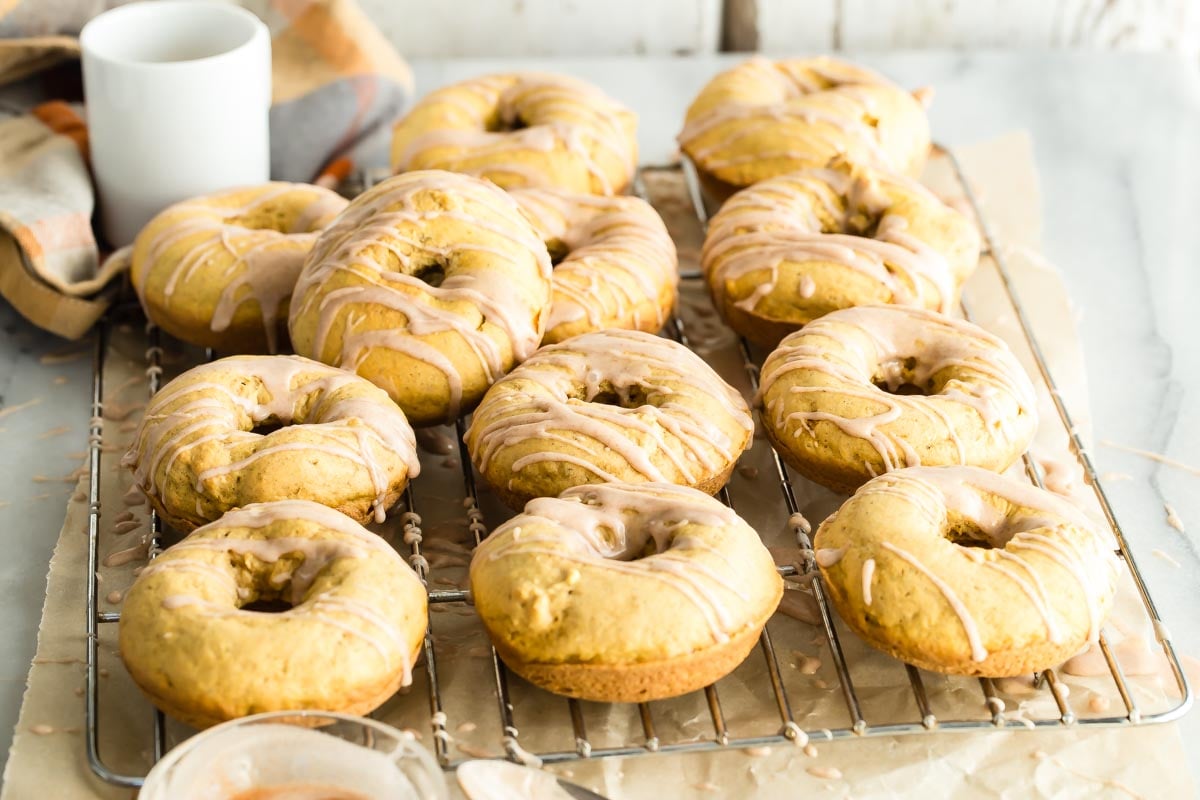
355	627
962	571
795	247
431	285
608	406
342	442
765	118
624	592
616	264
217	271
834	409
522	129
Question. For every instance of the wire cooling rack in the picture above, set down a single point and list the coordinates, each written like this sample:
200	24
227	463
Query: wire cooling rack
782	724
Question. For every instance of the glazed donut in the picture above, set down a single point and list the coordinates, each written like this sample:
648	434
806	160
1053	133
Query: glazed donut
431	285
867	390
624	593
765	118
615	263
522	129
217	271
961	570
352	631
793	248
608	406
343	443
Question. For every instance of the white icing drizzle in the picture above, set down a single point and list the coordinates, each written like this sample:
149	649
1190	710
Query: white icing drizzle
868	575
840	355
610	525
549	399
978	652
620	270
561	117
222	401
815	219
255	264
496	284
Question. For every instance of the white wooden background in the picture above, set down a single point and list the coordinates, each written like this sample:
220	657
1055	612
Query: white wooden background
429	28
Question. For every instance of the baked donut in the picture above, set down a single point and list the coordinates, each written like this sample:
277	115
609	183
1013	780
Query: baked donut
867	390
431	285
353	627
217	271
203	446
961	570
615	263
763	118
608	406
793	248
624	593
522	129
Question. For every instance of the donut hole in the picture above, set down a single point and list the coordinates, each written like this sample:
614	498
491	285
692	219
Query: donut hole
898	376
558	251
610	394
266	426
265	605
432	274
504	123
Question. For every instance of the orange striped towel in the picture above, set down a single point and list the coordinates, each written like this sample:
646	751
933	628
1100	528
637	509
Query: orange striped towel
337	82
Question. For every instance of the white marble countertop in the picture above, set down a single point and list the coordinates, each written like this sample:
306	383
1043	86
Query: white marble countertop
1117	141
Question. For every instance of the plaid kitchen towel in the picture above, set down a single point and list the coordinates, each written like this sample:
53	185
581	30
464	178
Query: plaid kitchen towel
337	86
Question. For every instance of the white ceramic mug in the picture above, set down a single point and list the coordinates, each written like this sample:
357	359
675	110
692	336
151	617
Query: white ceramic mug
177	97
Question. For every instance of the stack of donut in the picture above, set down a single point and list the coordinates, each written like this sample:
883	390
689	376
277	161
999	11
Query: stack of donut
502	272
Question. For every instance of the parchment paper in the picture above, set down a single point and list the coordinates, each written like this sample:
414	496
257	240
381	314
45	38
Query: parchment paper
48	748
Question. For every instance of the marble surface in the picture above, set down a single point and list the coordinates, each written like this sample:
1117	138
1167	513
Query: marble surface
1117	140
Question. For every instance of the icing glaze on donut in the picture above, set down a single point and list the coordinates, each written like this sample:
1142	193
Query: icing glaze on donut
476	296
266	262
555	110
813	216
620	261
570	375
204	405
611	525
1027	524
935	341
763	118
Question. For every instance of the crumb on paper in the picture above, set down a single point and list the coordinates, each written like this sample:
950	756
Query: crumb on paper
60	380
757	752
706	786
1114	477
1165	556
824	773
1173	518
61	357
4	412
466	727
811	751
58	431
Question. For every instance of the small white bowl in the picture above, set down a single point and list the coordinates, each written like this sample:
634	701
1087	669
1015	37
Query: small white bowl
263	755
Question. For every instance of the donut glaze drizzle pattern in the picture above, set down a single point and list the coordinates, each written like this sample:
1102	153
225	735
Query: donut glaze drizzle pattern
363	288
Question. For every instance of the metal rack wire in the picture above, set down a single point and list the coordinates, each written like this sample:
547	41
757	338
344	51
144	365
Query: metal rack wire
786	728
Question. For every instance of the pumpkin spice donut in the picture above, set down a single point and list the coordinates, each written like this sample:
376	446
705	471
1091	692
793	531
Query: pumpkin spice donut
624	593
608	406
615	263
217	271
963	571
431	285
796	247
867	390
353	626
522	129
765	118
338	441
